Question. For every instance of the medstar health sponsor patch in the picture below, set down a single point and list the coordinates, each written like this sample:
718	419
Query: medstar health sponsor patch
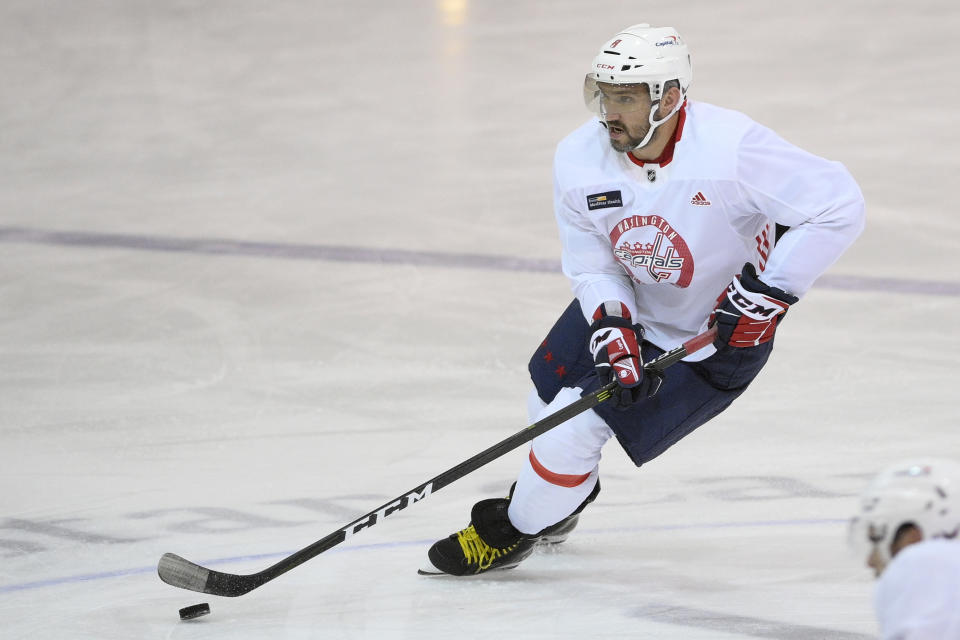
602	200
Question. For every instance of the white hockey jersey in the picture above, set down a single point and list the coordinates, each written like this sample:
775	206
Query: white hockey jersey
918	594
666	239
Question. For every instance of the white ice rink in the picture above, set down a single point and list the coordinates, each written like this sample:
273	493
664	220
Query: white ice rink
267	265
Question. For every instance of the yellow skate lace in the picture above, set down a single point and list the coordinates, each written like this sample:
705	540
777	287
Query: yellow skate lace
478	552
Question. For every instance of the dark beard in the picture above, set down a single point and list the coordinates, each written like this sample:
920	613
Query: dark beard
623	147
627	145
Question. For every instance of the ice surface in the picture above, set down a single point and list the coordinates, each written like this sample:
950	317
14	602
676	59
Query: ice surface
265	266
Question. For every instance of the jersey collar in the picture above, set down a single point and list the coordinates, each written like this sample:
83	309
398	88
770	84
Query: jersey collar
667	156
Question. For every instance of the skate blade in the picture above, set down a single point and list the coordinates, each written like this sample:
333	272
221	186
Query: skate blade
436	573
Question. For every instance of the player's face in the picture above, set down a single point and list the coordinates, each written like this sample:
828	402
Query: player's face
626	110
906	535
876	562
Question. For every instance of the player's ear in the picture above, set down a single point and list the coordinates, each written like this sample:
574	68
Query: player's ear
669	100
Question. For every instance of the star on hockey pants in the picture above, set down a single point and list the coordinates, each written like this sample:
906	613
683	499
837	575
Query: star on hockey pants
692	392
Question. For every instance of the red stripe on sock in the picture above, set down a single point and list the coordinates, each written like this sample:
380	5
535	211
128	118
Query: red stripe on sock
559	479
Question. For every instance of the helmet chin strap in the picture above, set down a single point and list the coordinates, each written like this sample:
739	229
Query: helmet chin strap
654	123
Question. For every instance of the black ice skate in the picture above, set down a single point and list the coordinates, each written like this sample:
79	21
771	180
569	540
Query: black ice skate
557	533
490	543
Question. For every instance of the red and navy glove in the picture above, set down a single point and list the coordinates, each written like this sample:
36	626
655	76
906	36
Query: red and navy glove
615	347
748	312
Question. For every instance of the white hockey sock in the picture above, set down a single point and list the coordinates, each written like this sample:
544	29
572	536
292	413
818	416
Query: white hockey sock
537	504
534	405
561	469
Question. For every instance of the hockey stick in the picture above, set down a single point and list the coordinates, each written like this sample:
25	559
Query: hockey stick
182	573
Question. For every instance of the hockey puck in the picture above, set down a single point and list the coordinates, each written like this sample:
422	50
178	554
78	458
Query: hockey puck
195	611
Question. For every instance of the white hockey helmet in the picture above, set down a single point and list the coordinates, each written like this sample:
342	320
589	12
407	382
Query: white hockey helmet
923	492
640	54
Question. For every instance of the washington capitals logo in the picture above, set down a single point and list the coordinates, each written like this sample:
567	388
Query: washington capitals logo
652	251
649	256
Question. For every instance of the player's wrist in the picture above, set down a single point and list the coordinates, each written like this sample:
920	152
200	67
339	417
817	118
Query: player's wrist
750	283
610	310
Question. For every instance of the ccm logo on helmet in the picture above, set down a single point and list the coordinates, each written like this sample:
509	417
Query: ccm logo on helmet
600	65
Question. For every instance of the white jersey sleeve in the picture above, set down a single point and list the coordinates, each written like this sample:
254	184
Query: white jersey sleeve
918	594
817	198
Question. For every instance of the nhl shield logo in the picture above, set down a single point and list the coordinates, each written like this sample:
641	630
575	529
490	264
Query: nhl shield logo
652	175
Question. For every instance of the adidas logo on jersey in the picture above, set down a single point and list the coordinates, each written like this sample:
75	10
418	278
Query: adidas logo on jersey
700	200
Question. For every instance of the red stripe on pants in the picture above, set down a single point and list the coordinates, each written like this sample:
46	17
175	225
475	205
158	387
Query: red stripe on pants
560	479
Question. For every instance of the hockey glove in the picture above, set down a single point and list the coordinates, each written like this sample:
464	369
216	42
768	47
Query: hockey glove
748	312
615	347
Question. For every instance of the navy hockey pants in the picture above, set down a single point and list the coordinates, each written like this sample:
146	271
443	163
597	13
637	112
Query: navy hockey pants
691	394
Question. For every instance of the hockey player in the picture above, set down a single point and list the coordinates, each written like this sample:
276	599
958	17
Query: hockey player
909	520
662	205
